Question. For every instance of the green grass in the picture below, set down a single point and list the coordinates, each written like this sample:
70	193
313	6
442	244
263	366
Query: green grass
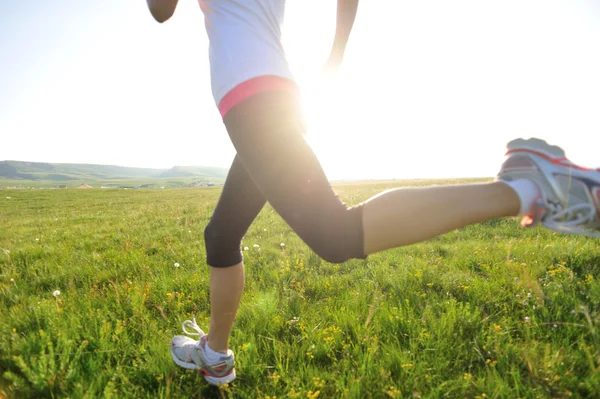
491	310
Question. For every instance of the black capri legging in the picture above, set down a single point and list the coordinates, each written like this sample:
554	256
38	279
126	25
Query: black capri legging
275	163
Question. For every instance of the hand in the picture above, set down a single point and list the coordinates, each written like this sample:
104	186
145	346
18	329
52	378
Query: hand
333	64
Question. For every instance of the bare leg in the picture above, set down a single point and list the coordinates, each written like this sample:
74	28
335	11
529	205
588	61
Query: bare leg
406	216
238	205
226	286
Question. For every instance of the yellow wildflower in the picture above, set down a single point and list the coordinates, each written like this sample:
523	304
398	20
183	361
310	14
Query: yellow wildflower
275	377
393	392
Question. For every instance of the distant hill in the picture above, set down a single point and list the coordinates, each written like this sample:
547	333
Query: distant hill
39	171
194	171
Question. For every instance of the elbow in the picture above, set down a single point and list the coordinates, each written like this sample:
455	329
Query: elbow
161	10
161	15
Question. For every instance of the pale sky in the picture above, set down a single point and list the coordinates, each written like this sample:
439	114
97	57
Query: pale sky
428	88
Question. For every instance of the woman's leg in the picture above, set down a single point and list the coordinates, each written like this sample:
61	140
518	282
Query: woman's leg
226	287
238	206
406	216
275	162
267	132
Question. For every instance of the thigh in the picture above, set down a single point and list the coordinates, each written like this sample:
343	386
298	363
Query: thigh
267	131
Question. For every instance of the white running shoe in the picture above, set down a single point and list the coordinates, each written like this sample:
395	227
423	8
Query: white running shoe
190	354
570	201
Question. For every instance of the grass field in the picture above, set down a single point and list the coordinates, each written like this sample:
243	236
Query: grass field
488	311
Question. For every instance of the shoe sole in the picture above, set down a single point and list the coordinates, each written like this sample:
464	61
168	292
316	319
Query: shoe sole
211	379
218	381
536	145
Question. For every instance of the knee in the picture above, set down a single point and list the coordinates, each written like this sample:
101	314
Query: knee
210	237
332	251
222	249
339	238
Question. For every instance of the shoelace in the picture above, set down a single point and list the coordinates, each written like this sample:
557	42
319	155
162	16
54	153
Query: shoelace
194	326
569	220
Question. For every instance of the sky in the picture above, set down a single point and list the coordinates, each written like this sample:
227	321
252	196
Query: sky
428	88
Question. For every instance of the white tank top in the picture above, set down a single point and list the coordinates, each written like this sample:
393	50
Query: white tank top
245	42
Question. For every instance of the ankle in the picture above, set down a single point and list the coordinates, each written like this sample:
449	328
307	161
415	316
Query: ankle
212	346
211	355
528	192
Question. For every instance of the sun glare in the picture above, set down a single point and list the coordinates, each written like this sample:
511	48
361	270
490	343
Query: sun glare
328	132
329	102
438	92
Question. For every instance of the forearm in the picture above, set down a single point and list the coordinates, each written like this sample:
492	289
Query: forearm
162	10
346	14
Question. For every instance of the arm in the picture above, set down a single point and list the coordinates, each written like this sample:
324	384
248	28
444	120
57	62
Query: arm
162	10
346	13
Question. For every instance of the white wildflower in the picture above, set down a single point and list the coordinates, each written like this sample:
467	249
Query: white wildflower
56	293
282	245
12	280
246	248
518	296
264	229
37	239
256	246
555	326
527	319
529	295
176	264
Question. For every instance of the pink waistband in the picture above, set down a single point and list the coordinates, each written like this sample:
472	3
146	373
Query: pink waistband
254	86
